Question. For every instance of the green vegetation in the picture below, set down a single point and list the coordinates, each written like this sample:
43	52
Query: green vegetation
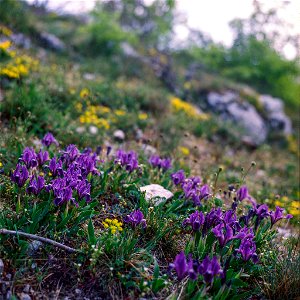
121	122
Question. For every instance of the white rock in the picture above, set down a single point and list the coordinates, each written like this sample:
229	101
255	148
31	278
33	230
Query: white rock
37	143
156	193
89	76
80	129
119	134
149	150
93	129
277	119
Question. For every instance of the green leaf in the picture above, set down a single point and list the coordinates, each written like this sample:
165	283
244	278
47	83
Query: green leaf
91	233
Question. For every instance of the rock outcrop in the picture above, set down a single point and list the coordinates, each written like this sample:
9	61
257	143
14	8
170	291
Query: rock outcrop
255	125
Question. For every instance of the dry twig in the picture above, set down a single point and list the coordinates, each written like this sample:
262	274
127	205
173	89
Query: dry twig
39	238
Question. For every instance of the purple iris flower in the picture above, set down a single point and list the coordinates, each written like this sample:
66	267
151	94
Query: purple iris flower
195	220
36	185
132	164
212	218
247	250
224	233
184	267
42	157
108	150
58	185
136	218
246	218
20	175
63	196
261	211
204	192
87	164
229	217
70	154
192	190
55	167
245	233
191	183
178	177
128	160
161	163
166	164
277	215
210	268
154	161
87	150
49	139
84	190
29	158
242	193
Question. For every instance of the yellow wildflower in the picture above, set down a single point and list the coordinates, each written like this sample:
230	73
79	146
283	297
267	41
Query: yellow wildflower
143	116
187	85
190	110
179	105
102	123
103	109
120	112
78	106
6	31
5	45
84	93
113	225
184	150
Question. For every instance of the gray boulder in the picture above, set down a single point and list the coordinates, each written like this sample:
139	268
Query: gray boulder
231	108
21	40
276	118
52	42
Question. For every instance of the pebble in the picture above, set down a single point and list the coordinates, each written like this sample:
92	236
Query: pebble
119	135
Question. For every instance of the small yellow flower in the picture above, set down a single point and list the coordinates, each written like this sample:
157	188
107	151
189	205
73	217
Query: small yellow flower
5	45
187	85
84	93
143	116
103	109
184	150
78	106
6	31
278	203
113	225
1	165
102	123
120	112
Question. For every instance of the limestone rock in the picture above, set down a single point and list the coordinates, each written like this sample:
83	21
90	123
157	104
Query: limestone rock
119	135
156	193
230	108
277	120
52	42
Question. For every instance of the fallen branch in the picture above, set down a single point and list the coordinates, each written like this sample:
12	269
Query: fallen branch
38	238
